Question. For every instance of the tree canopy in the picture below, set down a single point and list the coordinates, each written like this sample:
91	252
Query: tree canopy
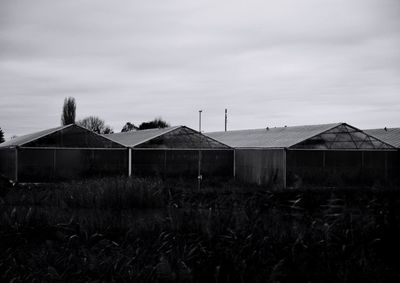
69	111
156	123
95	124
129	127
1	136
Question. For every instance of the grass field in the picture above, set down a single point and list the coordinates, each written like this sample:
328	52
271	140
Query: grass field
148	230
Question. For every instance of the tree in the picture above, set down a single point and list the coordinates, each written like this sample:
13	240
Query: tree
95	124
108	130
156	123
1	136
129	127
69	110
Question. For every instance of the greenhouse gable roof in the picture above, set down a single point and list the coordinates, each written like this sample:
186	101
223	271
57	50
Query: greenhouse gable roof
388	135
325	136
70	135
134	138
21	140
172	137
277	137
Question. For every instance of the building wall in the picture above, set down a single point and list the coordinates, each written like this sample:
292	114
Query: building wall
58	164
183	163
335	167
260	166
7	162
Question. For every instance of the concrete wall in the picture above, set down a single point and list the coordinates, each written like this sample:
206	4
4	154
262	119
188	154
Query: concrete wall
260	166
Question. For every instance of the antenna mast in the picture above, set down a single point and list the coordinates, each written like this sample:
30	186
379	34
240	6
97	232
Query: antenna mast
226	119
200	120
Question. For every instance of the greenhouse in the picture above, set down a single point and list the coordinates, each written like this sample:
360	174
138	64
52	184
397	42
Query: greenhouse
175	152
328	154
388	135
62	153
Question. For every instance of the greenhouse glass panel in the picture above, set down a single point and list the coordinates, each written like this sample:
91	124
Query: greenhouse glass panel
73	136
182	138
342	137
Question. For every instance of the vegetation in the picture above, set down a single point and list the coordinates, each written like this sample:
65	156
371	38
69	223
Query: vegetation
1	136
95	124
129	127
148	230
69	111
156	123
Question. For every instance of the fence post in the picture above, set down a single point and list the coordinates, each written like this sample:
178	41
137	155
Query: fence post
386	166
165	164
16	165
199	177
234	164
284	159
54	163
129	162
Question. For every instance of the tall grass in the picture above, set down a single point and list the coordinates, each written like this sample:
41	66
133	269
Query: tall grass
146	230
108	193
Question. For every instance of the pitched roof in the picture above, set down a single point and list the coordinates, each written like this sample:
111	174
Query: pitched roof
21	140
279	137
134	138
33	137
327	136
388	135
180	137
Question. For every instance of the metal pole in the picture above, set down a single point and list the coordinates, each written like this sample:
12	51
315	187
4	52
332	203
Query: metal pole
200	120
199	177
226	119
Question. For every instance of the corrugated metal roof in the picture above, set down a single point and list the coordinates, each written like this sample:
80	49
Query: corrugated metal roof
388	135
280	137
134	138
21	140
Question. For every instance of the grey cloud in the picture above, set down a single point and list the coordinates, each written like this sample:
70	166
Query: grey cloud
274	63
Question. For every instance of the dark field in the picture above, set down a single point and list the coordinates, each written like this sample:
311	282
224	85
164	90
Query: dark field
148	230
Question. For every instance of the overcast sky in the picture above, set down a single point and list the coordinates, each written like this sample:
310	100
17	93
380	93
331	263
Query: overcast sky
271	63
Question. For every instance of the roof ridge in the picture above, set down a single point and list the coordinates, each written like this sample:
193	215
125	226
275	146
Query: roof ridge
382	129
282	127
141	131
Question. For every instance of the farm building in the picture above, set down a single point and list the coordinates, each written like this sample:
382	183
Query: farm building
327	154
175	151
62	153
